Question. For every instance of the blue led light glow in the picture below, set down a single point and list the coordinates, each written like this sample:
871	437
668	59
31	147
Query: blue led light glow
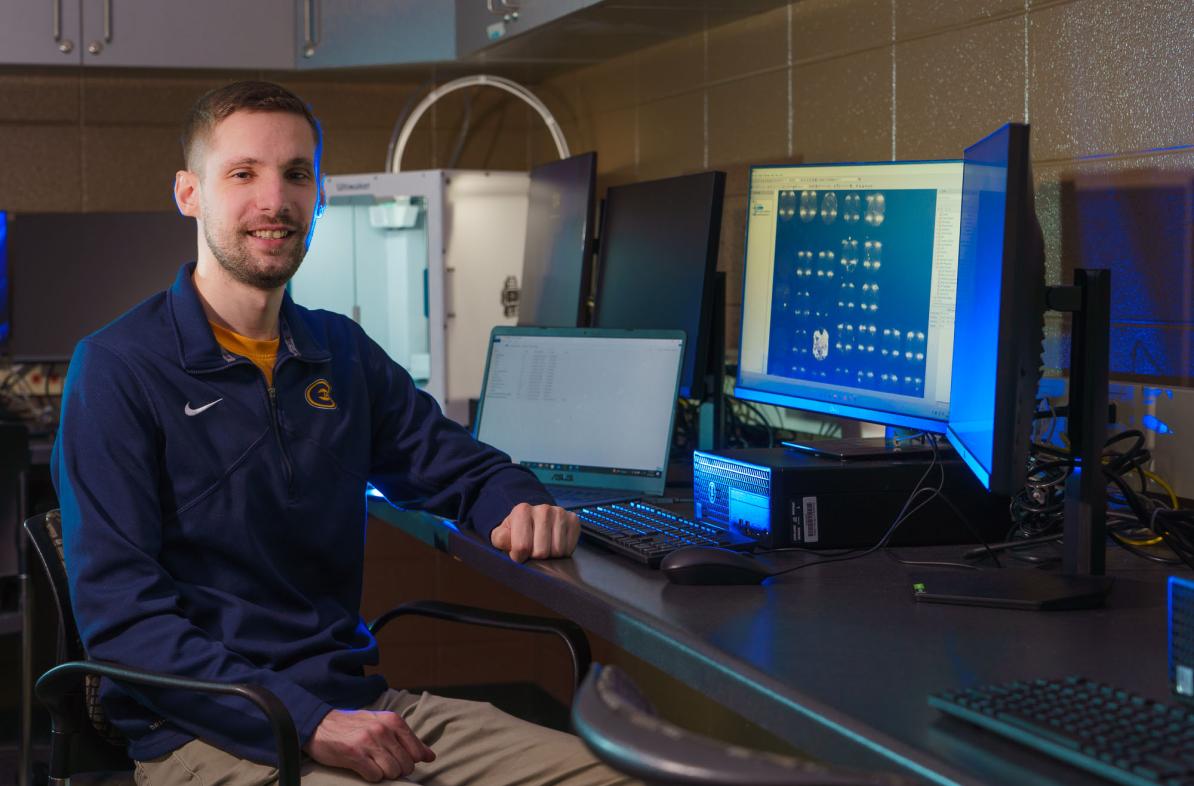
5	326
1155	424
976	314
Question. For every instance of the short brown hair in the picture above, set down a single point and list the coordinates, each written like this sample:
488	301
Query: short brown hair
250	95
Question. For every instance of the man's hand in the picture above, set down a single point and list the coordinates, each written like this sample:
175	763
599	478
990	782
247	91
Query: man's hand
375	745
537	532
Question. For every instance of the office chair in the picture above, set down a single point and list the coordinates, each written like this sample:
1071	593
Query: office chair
620	726
82	739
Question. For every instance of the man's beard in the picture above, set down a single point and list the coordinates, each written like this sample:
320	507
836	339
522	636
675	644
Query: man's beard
235	256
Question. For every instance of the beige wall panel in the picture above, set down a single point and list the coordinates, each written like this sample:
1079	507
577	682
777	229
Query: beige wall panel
133	98
738	173
917	17
671	68
733	330
954	88
41	168
350	151
671	136
39	97
129	168
842	108
756	43
748	119
823	28
1107	77
1050	175
607	86
730	252
542	148
357	104
614	135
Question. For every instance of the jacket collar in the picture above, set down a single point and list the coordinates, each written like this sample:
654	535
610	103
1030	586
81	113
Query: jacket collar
197	346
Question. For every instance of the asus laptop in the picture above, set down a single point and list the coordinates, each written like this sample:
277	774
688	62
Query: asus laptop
589	411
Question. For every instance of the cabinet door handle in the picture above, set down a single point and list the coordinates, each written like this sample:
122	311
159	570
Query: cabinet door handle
95	47
310	28
65	45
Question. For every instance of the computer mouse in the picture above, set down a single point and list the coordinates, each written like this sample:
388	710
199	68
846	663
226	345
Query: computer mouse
711	565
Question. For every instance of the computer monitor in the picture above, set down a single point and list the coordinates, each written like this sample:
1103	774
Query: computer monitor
999	330
72	273
999	324
657	263
555	400
557	263
848	293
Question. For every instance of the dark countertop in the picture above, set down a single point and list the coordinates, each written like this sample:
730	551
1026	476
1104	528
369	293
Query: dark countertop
838	659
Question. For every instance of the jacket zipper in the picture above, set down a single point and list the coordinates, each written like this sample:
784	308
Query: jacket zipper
287	469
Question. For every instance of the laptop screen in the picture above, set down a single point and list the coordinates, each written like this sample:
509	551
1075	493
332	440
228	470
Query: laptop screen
583	407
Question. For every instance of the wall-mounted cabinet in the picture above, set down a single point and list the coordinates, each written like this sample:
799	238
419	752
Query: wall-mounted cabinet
283	35
148	33
480	23
40	32
346	33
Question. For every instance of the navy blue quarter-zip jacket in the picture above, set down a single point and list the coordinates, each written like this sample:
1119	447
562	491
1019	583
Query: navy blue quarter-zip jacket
214	527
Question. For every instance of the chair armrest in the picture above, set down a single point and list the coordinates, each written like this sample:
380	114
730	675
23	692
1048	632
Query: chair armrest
572	634
611	717
56	685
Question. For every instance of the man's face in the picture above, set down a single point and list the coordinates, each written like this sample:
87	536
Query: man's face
257	195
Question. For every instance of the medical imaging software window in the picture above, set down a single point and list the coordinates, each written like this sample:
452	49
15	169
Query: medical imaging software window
850	278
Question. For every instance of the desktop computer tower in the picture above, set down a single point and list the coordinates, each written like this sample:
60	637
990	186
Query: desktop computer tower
782	498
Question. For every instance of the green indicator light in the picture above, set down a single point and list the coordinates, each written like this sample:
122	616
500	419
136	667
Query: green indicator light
918	587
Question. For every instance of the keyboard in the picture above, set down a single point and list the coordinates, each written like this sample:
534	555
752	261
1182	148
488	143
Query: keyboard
647	534
1114	734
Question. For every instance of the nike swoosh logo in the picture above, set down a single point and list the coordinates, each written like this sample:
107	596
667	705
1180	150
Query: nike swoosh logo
193	411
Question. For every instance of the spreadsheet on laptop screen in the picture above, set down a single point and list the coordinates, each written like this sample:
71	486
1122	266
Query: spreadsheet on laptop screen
593	402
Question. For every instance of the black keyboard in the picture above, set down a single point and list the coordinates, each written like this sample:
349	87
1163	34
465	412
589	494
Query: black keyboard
647	534
1117	735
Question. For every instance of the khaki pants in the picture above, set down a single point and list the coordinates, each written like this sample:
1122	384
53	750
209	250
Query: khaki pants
474	743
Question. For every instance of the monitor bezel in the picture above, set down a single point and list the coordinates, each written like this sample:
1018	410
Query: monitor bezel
882	417
1022	294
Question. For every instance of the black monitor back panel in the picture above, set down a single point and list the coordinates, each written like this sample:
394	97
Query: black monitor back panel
72	273
658	256
557	264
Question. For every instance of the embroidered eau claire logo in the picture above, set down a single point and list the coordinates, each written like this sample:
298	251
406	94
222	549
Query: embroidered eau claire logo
319	394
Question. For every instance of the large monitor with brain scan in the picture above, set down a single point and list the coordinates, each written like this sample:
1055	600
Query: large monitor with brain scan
849	288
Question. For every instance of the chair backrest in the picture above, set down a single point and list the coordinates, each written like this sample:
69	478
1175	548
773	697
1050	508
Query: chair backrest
44	534
618	724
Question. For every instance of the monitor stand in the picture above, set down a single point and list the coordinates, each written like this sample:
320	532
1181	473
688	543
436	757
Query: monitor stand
1081	583
867	448
711	420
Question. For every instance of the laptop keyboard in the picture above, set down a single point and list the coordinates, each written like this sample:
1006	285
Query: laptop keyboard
647	534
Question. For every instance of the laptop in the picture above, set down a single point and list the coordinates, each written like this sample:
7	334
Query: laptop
589	411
